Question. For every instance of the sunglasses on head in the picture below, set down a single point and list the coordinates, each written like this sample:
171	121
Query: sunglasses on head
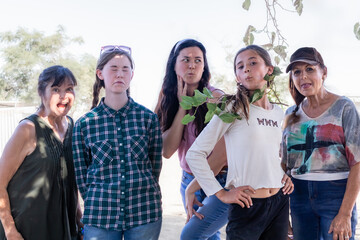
110	48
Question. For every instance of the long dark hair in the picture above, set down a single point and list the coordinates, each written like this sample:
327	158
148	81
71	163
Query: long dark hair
241	98
168	103
105	57
56	75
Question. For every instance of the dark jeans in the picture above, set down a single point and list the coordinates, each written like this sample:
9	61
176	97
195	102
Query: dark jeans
268	218
314	204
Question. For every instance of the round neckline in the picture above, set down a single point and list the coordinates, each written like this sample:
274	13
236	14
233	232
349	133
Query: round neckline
321	115
263	109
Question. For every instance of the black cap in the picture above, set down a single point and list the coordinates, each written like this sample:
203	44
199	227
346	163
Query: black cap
306	54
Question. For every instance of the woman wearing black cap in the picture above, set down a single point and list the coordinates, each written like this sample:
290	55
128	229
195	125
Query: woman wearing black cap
321	149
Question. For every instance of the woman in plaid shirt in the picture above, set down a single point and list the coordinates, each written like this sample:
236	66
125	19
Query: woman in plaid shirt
117	156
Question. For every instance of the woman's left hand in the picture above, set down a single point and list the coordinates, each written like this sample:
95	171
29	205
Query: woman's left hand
341	227
289	186
191	200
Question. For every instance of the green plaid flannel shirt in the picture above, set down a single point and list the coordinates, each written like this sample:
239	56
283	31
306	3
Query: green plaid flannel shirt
117	159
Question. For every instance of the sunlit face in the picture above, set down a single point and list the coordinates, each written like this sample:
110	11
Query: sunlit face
190	65
308	79
251	70
58	100
116	74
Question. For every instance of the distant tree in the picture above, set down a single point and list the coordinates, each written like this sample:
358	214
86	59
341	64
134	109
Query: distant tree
24	54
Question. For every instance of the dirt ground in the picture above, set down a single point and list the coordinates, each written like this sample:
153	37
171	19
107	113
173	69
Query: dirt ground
173	211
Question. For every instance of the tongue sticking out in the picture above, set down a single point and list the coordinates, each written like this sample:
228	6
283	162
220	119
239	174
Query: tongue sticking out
306	85
60	105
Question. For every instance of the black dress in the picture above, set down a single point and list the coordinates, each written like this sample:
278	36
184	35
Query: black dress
43	192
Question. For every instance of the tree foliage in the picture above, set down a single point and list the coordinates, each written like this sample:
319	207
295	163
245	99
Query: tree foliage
26	53
277	42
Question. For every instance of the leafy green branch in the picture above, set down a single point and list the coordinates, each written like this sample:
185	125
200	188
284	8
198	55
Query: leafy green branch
219	107
277	42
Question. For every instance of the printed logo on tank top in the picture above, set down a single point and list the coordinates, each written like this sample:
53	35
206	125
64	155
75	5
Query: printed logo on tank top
267	122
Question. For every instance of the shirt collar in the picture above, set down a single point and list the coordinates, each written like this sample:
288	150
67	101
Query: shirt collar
111	112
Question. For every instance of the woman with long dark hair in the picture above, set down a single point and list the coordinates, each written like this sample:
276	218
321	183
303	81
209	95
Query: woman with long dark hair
187	70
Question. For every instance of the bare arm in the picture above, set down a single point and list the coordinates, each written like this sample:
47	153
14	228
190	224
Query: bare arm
21	144
172	136
341	224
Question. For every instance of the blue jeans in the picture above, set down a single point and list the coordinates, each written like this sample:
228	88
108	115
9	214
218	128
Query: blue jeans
215	213
314	204
150	231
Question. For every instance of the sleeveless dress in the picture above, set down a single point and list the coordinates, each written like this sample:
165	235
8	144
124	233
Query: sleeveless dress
43	192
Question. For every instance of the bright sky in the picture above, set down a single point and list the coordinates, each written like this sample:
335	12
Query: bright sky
151	28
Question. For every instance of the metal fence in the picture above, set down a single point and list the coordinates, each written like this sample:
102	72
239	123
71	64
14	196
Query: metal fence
9	119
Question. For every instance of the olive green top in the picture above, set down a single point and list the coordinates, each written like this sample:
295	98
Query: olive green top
43	192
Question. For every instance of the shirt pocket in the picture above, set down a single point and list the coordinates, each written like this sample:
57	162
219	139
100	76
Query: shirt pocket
139	147
102	152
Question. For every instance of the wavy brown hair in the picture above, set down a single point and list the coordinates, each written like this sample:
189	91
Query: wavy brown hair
168	103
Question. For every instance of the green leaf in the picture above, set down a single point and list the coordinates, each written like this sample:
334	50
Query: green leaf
268	77
211	106
199	98
267	46
223	103
228	117
208	93
186	105
277	71
187	119
249	37
273	35
281	51
298	6
258	94
187	102
246	5
209	116
217	110
277	60
357	30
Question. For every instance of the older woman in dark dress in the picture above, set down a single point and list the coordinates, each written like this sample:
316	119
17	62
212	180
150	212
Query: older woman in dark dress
38	193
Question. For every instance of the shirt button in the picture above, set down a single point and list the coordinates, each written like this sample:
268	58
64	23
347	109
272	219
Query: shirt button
122	161
118	129
122	209
122	176
120	144
122	193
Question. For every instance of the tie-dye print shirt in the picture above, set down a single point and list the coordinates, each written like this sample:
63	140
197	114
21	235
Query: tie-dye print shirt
325	145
